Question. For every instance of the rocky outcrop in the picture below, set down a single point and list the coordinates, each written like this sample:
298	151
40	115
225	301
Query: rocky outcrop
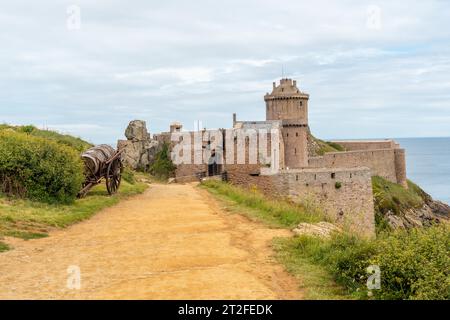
137	131
430	213
321	229
140	148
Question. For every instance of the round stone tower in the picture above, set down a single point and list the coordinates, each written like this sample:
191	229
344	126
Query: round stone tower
287	102
289	105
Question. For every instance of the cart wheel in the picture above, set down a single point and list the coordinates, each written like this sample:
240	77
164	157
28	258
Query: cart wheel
114	176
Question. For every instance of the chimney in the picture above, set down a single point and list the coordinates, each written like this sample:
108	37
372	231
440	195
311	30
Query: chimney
274	84
234	119
295	83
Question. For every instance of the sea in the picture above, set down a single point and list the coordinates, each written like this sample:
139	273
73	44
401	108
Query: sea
428	164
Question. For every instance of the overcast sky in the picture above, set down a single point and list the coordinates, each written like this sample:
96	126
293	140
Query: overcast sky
372	69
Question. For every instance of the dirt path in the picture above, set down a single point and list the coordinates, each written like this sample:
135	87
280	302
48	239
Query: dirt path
172	242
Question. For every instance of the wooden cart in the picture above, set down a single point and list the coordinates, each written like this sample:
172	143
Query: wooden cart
100	162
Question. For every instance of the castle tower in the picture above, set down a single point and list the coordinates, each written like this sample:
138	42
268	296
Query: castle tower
288	104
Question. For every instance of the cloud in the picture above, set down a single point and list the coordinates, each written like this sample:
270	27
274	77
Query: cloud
169	60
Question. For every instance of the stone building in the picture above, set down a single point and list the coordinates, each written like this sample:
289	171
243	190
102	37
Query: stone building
339	181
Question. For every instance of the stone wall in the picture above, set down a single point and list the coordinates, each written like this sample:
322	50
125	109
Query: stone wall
353	145
344	194
382	162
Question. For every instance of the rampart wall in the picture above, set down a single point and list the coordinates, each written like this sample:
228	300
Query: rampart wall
387	163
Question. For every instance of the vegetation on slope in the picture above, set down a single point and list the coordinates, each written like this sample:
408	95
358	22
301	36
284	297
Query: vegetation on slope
40	174
64	139
414	264
38	168
279	213
163	168
392	198
317	147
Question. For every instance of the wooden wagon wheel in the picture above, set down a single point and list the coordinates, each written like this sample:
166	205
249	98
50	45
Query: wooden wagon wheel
114	176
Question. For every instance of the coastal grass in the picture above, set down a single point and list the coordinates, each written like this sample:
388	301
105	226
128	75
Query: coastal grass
63	139
27	219
326	146
393	198
414	263
315	280
278	213
3	246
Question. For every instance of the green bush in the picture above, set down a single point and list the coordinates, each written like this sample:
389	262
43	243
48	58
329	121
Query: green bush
128	175
38	168
70	141
346	257
276	211
414	264
163	167
393	197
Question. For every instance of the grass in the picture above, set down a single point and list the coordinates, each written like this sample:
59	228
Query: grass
316	281
414	264
68	140
252	203
326	146
28	219
393	198
3	247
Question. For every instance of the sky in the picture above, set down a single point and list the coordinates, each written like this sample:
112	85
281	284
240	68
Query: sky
373	69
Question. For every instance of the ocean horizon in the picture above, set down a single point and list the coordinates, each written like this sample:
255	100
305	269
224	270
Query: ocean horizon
428	164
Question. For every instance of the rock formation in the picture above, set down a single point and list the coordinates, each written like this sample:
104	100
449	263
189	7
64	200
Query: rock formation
321	229
140	148
430	213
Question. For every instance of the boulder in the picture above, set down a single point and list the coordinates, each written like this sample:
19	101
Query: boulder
321	229
140	148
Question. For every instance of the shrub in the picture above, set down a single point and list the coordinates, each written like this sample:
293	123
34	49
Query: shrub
162	167
393	197
39	169
346	257
128	175
414	264
338	185
70	141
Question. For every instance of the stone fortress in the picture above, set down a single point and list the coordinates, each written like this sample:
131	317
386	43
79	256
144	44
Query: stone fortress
339	181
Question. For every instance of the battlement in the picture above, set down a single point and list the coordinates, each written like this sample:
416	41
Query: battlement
287	89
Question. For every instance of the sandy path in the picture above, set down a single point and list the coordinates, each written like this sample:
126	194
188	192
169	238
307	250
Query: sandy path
172	242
